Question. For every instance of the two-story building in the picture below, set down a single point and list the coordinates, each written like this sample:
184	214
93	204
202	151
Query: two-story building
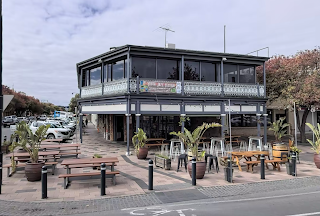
151	88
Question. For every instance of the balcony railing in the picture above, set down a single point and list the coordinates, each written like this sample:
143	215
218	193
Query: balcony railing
143	86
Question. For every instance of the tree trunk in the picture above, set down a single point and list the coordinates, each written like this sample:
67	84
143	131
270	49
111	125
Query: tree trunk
302	126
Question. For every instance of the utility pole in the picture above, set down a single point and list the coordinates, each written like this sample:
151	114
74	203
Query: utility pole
224	39
1	96
165	35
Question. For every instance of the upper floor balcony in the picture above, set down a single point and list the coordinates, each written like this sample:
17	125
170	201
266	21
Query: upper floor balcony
149	70
153	86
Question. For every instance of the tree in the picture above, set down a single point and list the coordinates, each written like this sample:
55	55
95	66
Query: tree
295	79
73	103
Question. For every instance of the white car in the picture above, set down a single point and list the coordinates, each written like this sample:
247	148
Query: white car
54	132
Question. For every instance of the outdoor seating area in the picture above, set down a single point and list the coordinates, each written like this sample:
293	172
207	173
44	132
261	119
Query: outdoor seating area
79	178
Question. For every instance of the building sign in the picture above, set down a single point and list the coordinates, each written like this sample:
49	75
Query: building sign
160	87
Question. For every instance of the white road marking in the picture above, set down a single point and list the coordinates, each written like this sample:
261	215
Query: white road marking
157	211
230	201
306	214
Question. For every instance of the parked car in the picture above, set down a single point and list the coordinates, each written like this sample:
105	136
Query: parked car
21	119
53	132
9	120
42	117
32	118
62	124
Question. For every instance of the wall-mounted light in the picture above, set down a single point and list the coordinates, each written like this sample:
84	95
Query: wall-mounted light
258	114
138	114
224	59
128	114
223	115
182	115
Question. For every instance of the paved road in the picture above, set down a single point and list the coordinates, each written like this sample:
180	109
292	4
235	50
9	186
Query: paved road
298	202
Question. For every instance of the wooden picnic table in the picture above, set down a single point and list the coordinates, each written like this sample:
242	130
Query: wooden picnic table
53	140
40	153
157	140
247	155
83	162
59	146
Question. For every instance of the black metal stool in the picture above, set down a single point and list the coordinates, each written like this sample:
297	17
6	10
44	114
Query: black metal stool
182	159
211	158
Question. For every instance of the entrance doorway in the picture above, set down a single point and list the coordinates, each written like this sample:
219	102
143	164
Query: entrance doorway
119	128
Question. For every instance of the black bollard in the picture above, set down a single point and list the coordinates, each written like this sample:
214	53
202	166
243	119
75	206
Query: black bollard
294	164
103	179
194	171
44	182
262	170
0	176
229	175
150	175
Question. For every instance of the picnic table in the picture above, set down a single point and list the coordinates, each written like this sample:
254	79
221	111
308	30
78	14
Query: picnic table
44	154
87	162
53	140
247	155
158	142
45	147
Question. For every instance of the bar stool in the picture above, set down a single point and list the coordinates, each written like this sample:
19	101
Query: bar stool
256	138
182	159
215	145
211	158
173	144
243	146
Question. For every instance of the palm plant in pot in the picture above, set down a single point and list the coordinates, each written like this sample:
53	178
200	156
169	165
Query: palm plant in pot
279	129
139	140
315	145
192	141
30	142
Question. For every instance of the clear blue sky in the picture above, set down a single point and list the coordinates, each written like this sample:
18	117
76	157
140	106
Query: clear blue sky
44	39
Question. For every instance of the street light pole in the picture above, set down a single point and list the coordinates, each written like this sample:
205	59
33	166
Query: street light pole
1	96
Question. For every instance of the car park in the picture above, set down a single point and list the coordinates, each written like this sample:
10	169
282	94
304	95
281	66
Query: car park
9	120
21	119
54	132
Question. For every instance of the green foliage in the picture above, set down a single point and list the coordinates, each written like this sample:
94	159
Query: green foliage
30	141
316	130
183	119
73	103
279	129
139	140
97	156
192	139
162	156
295	149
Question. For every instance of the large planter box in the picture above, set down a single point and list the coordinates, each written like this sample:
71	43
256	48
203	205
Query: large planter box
162	162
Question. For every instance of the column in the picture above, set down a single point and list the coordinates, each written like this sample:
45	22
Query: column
182	75
223	119
265	124
258	114
128	126
182	115
80	125
137	115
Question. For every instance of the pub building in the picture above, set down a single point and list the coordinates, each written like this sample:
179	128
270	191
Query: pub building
133	87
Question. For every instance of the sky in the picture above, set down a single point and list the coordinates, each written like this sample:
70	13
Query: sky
44	39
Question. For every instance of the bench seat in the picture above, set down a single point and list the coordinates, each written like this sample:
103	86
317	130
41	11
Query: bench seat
88	165
70	153
53	165
67	176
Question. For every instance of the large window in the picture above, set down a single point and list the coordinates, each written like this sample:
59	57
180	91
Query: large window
95	76
192	70
167	69
208	72
84	81
249	120
143	67
117	70
230	73
246	74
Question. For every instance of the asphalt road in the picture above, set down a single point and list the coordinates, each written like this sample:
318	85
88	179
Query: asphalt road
300	202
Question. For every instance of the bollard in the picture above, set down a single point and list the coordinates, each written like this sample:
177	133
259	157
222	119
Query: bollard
294	164
229	170
44	182
194	171
0	176
103	179
262	170
150	174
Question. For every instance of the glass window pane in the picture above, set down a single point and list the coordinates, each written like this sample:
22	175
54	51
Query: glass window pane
230	73
109	73
95	76
87	78
167	69
143	67
84	78
208	72
246	74
105	72
191	71
117	70
125	68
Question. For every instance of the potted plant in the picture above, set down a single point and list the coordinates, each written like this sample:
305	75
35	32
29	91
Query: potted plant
139	140
162	161
30	142
315	145
279	129
294	149
6	146
192	141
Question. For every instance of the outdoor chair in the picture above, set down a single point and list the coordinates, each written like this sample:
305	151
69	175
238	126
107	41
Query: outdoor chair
182	159
211	158
243	146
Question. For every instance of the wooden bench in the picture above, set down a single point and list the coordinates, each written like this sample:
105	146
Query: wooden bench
53	165
65	176
251	164
274	163
88	165
70	153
